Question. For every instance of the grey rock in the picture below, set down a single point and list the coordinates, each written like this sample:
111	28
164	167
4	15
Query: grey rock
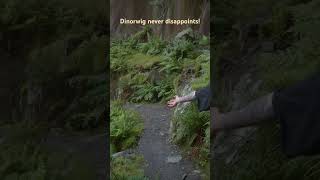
126	153
196	172
185	33
174	159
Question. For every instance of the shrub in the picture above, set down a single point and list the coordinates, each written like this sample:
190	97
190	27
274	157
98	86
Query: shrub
118	56
175	53
154	46
191	130
148	92
203	73
127	168
125	127
189	123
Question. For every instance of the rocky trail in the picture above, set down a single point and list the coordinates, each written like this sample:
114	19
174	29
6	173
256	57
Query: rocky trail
163	159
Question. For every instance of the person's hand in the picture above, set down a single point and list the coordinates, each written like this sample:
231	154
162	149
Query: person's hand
173	102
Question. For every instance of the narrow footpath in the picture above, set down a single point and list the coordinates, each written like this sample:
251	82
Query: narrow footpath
163	159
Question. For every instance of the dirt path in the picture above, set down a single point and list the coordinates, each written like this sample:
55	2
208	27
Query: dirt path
163	159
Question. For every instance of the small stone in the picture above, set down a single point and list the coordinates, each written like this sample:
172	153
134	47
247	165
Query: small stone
118	154
196	171
185	33
174	159
126	153
138	105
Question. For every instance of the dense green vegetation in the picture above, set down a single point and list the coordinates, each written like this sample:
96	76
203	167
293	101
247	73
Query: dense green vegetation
149	69
125	127
58	47
192	132
130	168
288	34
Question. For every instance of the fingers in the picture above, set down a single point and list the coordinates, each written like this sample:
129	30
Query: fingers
172	102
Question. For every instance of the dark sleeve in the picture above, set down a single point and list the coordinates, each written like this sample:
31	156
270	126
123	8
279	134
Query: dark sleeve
203	97
298	109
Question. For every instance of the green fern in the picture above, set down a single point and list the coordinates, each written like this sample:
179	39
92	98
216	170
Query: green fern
125	127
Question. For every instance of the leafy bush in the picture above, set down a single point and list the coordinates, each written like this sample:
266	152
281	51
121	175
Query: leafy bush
154	46
191	130
125	127
175	53
154	54
127	168
143	62
138	87
127	82
146	92
152	93
189	123
118	55
203	73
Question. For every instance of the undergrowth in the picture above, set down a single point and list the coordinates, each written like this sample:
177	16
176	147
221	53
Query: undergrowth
150	69
161	62
125	127
192	132
127	168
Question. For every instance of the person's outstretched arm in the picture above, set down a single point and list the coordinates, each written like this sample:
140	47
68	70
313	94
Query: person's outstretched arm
176	100
254	113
